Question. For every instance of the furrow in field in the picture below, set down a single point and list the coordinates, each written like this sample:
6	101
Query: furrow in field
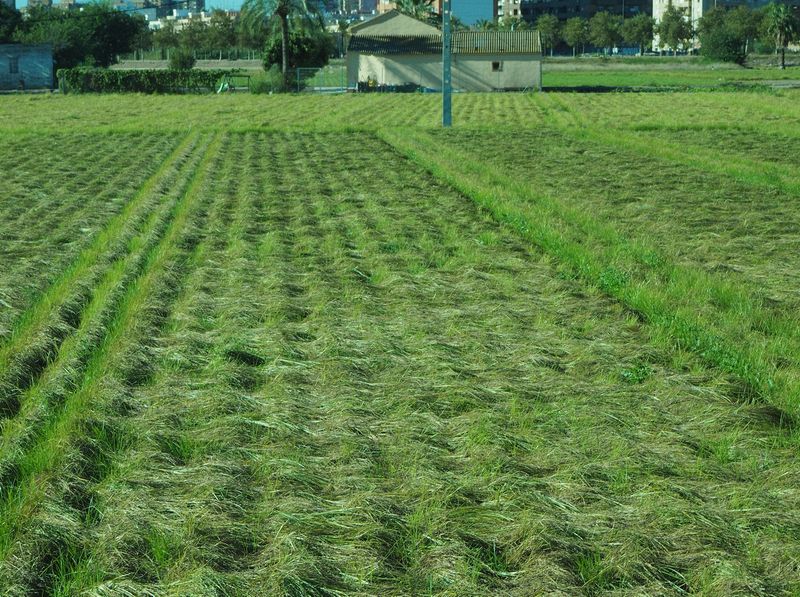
455	414
58	311
173	497
42	513
689	308
39	405
62	219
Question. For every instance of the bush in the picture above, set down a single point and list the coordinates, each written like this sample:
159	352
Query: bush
722	44
270	82
98	80
181	59
306	50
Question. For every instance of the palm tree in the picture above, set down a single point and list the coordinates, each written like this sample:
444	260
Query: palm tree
782	25
419	9
269	11
485	25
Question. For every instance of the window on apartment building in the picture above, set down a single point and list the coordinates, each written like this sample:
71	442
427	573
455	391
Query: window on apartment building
13	65
497	67
516	12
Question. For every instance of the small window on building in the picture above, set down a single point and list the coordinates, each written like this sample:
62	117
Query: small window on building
516	12
13	65
497	67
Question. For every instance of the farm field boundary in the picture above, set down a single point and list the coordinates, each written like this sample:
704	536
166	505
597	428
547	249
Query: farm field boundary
328	381
674	299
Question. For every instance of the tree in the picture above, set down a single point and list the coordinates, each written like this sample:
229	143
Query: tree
639	30
575	33
307	49
421	10
182	59
549	28
719	39
264	12
194	35
485	25
743	22
781	25
221	32
95	36
10	20
166	37
604	30
674	31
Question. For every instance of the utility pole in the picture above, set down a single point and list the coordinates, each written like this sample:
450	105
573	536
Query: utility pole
447	81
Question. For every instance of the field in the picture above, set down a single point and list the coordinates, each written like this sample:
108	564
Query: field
308	345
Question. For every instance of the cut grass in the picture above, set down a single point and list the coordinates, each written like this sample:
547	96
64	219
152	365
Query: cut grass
769	112
54	315
62	445
43	232
314	378
367	386
685	307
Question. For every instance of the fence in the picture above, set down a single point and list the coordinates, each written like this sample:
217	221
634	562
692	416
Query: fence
328	79
224	54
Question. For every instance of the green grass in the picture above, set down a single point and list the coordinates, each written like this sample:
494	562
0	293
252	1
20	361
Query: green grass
616	75
315	346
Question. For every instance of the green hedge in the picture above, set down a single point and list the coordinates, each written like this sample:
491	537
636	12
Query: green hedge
100	80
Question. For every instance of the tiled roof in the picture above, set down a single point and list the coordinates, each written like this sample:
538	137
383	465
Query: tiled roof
464	42
496	42
396	44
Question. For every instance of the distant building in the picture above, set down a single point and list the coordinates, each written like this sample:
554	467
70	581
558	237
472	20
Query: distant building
395	50
384	6
46	3
566	9
695	9
508	9
26	66
470	12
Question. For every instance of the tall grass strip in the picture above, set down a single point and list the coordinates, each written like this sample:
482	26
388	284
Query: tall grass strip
672	298
44	457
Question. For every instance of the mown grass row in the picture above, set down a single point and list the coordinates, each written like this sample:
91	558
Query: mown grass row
694	217
396	396
54	315
39	406
436	333
184	470
52	211
773	113
328	382
69	447
689	309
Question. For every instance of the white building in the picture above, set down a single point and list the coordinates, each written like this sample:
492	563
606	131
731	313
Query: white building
395	50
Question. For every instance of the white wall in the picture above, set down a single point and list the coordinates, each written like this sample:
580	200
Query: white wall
471	72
